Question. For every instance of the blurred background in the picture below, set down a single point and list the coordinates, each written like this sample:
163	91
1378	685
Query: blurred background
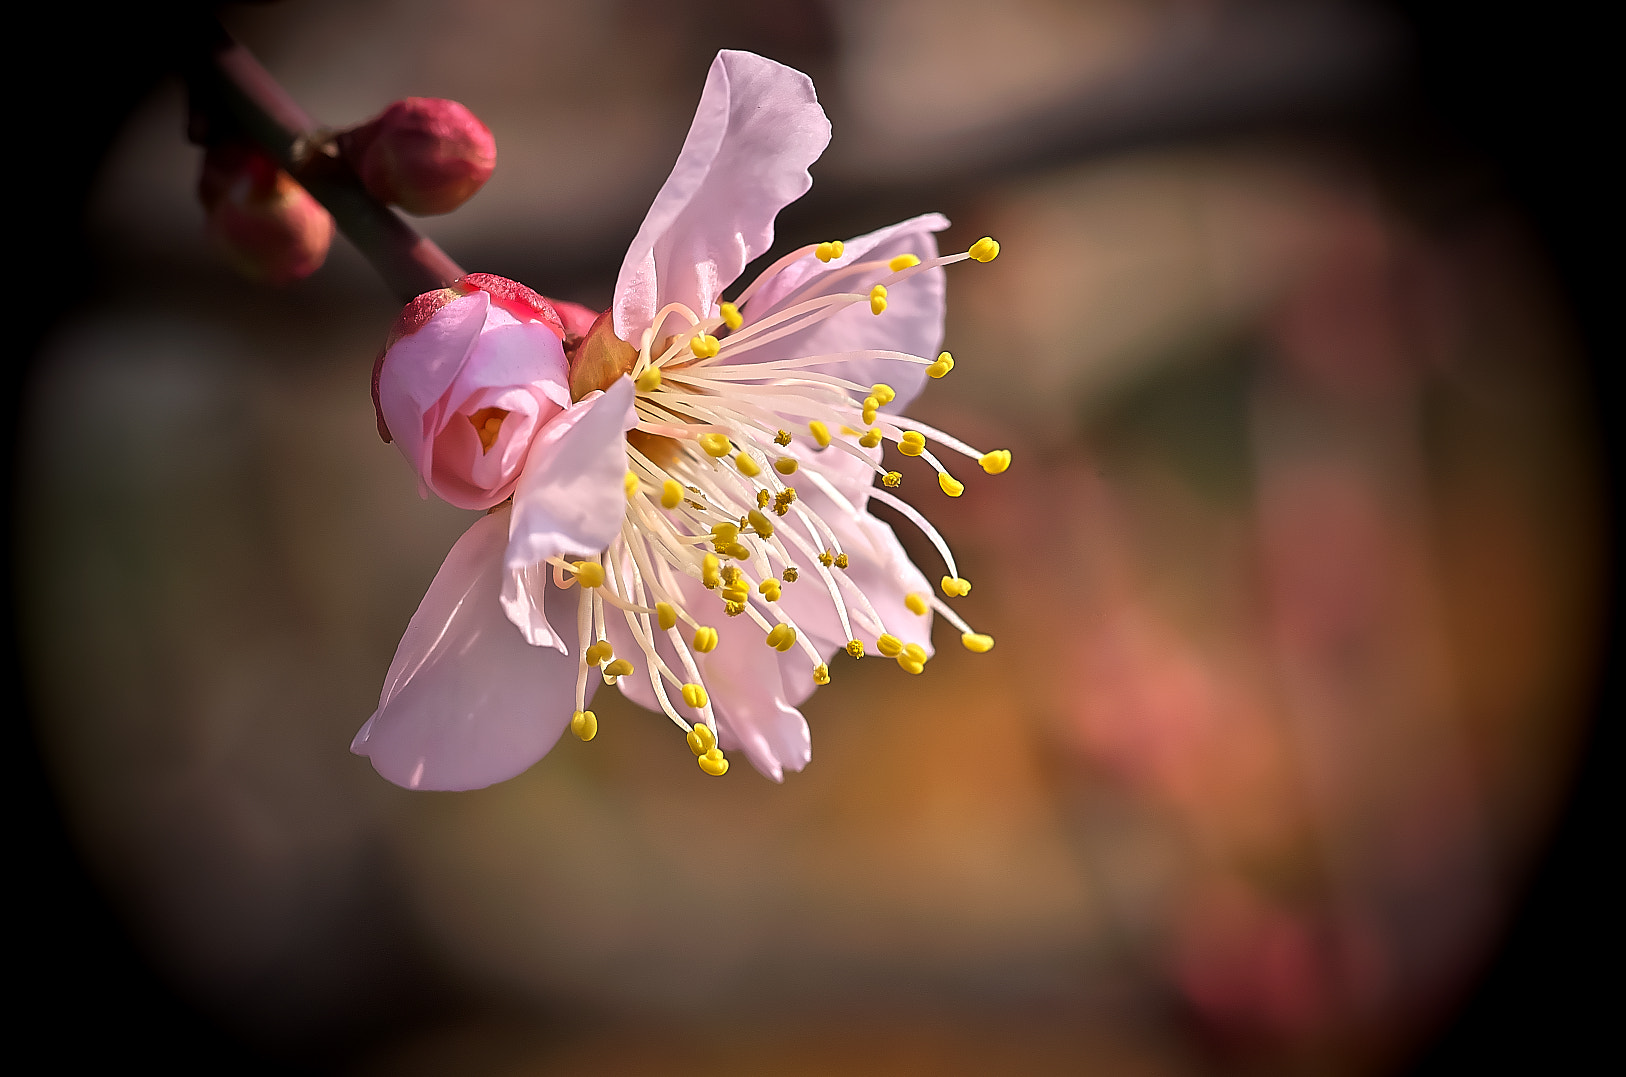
1300	578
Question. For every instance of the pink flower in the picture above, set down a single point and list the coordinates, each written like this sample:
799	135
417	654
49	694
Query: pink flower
700	510
470	376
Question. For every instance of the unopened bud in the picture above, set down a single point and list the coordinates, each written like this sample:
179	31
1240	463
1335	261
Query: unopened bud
425	154
266	224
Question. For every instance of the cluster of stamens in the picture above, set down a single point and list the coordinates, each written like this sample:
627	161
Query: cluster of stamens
711	496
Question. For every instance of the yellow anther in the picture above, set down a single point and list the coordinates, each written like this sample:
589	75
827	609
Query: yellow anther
889	645
782	637
770	589
671	493
589	573
916	603
649	380
877	299
951	486
820	432
619	668
871	405
713	763
584	724
912	443
704	345
871	438
883	393
902	262
599	653
782	500
748	467
782	438
828	252
731	315
893	479
739	551
665	615
629	483
821	674
760	523
725	532
763	499
701	738
715	444
694	695
711	570
785	465
910	665
855	647
985	249
732	574
733	609
736	594
705	640
826	558
944	364
841	560
915	651
977	643
996	461
956	586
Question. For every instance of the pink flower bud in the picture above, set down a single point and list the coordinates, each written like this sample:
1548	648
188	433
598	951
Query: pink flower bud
267	225
468	376
424	154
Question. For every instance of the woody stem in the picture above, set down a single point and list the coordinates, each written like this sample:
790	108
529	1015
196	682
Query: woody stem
232	91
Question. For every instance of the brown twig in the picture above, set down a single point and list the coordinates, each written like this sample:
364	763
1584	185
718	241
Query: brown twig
231	88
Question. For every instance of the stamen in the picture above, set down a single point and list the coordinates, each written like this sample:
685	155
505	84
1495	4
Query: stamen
487	423
985	249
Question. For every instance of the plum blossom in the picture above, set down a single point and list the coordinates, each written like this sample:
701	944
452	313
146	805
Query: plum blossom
691	498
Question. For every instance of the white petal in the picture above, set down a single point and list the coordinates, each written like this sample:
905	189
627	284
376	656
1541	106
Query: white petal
758	127
467	702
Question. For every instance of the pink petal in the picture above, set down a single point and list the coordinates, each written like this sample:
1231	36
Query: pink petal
758	127
467	702
419	369
912	322
570	497
750	699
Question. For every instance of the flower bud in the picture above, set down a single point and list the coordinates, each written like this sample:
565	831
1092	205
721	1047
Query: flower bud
468	376
267	225
424	154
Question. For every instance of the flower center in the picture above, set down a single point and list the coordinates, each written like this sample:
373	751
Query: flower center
487	423
729	448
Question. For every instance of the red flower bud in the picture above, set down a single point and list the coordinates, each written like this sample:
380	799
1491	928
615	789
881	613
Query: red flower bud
267	225
424	154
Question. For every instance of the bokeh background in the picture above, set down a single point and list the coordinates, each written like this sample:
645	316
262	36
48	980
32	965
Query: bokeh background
1300	578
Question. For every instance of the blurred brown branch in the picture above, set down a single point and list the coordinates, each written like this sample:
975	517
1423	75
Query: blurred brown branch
232	93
